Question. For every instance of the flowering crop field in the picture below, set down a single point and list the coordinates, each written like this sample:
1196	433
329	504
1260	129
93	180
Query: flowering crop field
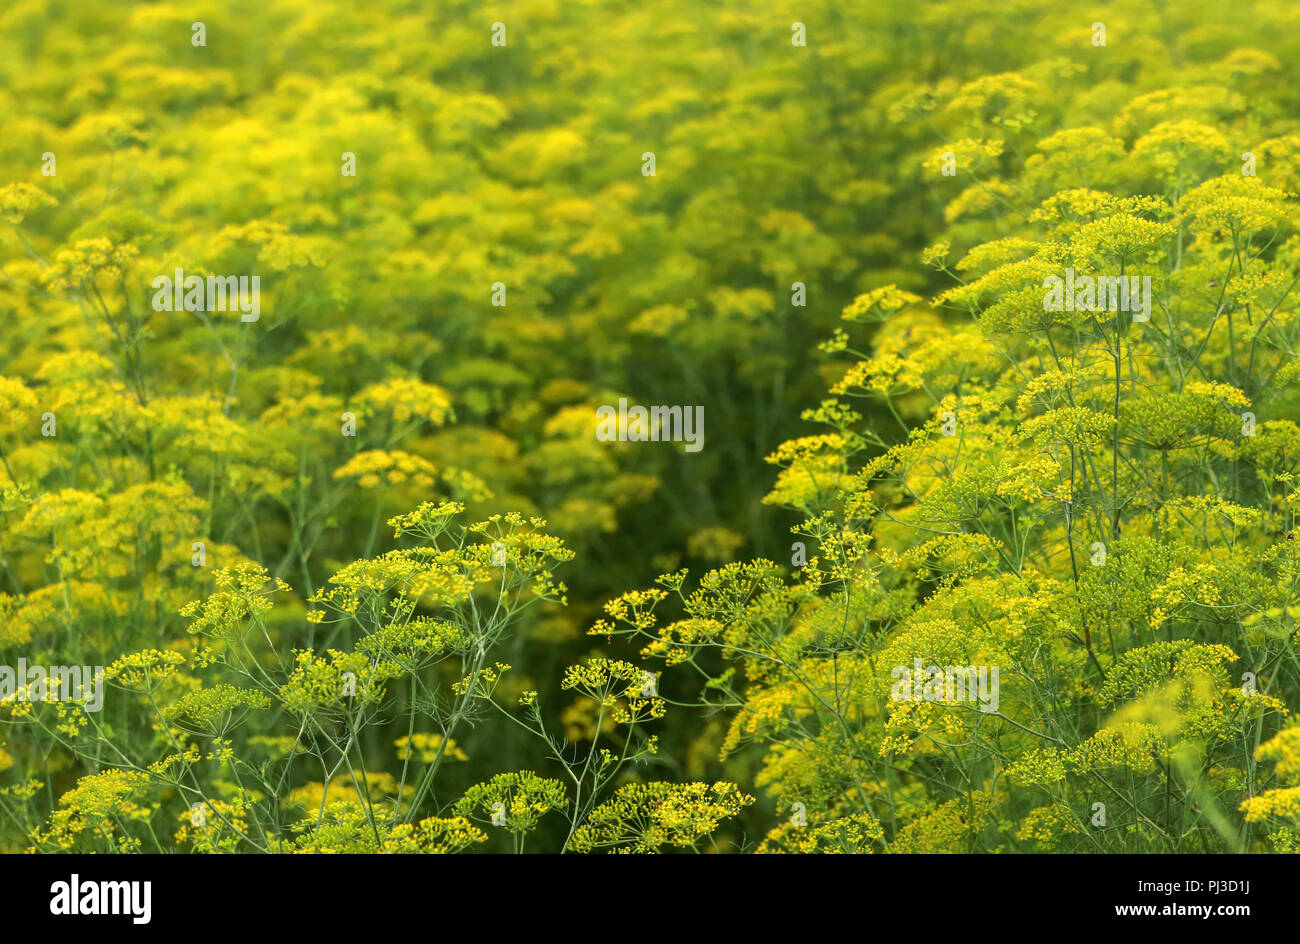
589	426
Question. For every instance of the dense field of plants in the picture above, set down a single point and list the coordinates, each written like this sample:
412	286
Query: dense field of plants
987	315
